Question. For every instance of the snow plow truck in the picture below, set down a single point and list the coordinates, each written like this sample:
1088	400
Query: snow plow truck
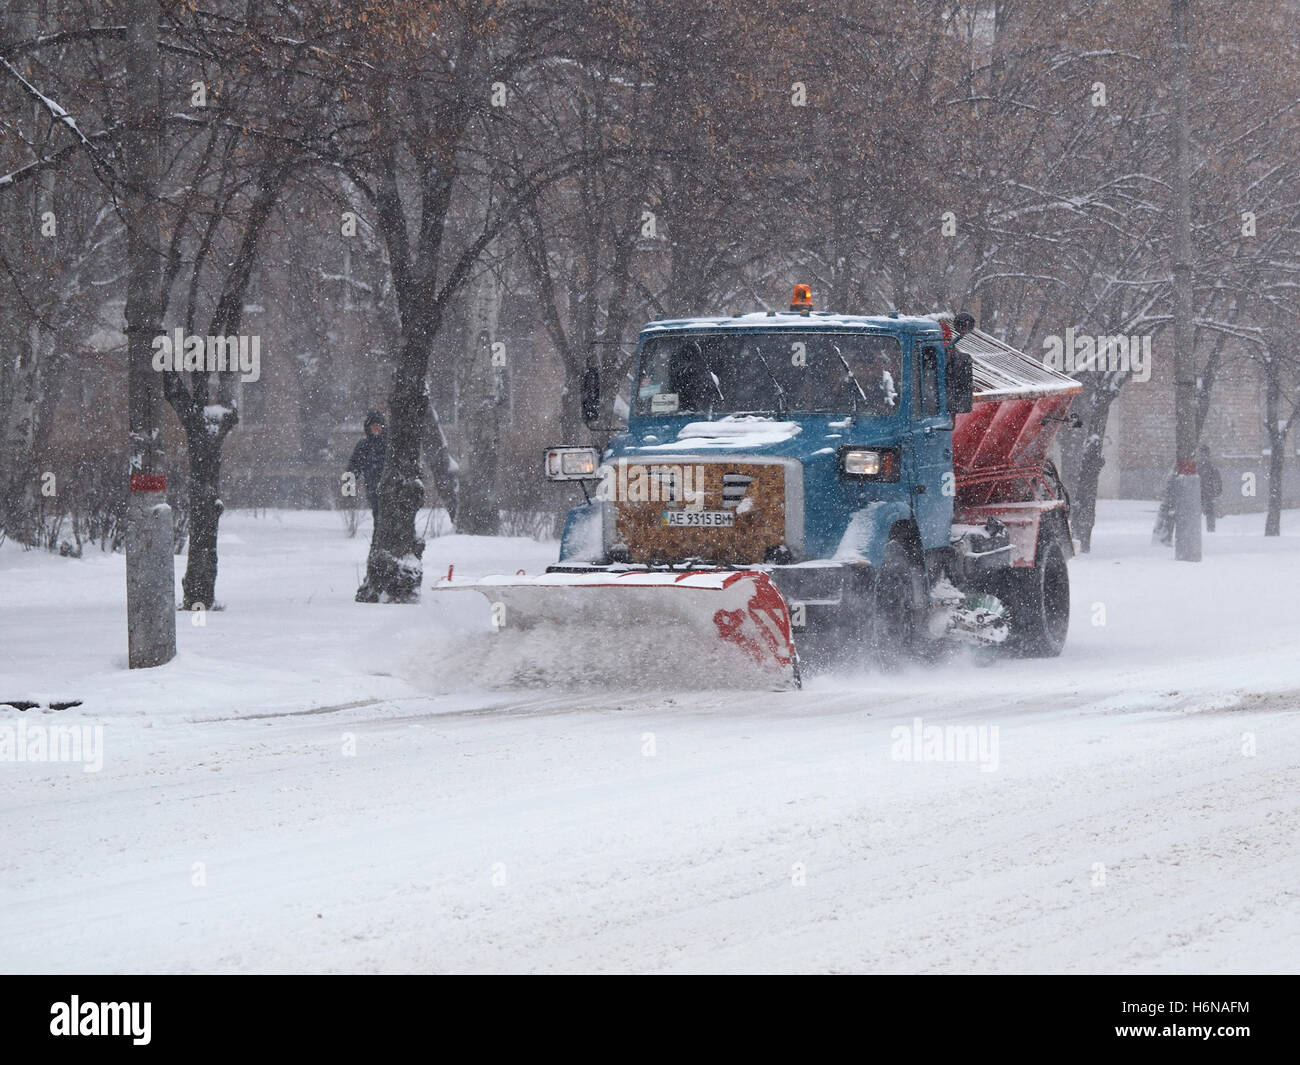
802	488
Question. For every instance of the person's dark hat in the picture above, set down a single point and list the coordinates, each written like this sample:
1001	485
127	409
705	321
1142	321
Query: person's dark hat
373	418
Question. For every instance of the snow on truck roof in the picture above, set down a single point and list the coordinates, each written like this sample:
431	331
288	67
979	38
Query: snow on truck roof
1000	371
793	320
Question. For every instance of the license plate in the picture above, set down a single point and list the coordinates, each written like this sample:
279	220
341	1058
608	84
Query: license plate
699	519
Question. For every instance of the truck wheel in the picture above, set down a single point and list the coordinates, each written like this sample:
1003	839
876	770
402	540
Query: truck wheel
1038	603
895	612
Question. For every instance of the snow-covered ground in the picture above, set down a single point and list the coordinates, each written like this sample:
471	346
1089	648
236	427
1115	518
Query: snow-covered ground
319	785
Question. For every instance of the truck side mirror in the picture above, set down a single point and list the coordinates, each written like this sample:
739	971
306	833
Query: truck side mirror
959	384
590	395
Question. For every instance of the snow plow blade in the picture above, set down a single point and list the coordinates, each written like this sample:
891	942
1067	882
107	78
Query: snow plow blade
710	628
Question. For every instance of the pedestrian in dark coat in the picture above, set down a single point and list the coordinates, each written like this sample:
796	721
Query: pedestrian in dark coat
367	461
1211	487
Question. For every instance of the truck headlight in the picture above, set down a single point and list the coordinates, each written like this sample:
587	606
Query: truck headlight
571	463
870	464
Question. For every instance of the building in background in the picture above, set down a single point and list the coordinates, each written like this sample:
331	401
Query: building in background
1140	434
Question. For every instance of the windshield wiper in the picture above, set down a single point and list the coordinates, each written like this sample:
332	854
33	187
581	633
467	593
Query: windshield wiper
849	370
781	405
708	371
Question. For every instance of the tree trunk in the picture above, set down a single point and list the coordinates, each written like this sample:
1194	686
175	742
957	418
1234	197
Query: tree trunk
1083	509
1163	533
612	362
200	582
1276	442
21	384
393	567
482	400
21	370
1083	462
1276	462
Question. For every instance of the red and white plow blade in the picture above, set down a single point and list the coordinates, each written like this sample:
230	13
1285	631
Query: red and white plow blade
712	628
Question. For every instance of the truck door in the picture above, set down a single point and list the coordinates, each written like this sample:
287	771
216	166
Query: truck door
931	448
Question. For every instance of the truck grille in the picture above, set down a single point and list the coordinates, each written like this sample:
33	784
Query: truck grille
739	511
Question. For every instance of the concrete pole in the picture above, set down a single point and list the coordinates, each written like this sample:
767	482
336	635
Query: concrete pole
150	571
1187	481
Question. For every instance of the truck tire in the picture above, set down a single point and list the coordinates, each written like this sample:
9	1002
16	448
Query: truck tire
1038	602
895	610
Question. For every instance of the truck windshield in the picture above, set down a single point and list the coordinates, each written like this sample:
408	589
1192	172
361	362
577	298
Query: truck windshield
732	373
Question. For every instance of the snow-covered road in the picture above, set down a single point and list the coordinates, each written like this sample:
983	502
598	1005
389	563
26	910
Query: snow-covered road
316	785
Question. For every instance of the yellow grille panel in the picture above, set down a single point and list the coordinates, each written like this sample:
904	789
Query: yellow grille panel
748	497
